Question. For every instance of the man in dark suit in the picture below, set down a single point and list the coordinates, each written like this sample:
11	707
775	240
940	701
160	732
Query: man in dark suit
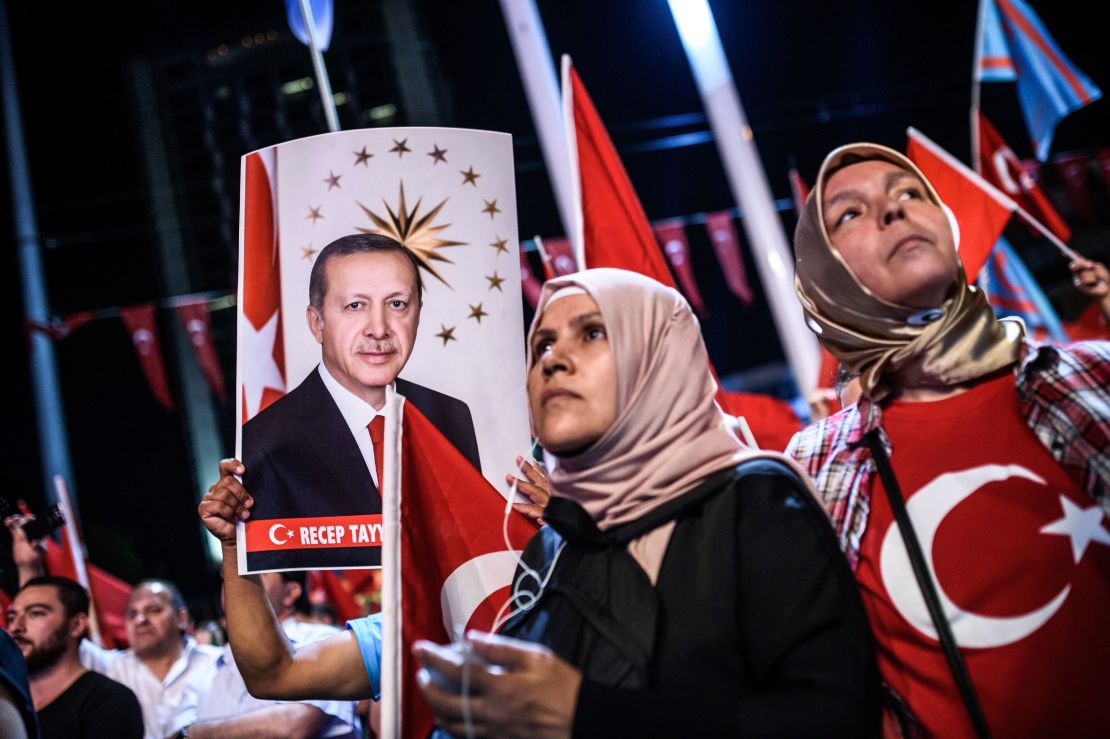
311	453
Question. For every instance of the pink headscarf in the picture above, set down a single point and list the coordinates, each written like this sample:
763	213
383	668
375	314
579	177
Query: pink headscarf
669	433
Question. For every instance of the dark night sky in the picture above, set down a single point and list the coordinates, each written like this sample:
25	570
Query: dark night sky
812	75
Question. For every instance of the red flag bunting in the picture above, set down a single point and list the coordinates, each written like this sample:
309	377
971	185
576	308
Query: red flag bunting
198	325
1077	181
981	210
1000	166
529	285
672	237
452	550
726	244
264	381
615	229
139	320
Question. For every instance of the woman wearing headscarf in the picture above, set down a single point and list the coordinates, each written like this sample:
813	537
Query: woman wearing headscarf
965	485
685	585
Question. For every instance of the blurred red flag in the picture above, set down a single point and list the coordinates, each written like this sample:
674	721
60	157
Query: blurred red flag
1001	167
197	323
1077	183
529	285
560	257
672	237
772	421
726	245
260	339
981	210
455	567
139	320
799	190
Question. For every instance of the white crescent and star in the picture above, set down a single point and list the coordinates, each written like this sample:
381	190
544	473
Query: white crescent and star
274	534
927	508
262	371
472	582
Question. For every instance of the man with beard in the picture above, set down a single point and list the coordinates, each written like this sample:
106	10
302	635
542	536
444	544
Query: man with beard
48	620
313	452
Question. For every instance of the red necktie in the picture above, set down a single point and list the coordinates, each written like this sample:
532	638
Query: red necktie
377	437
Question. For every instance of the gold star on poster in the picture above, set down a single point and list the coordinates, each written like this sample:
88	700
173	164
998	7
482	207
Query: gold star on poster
495	281
501	245
438	155
314	213
447	334
399	148
470	177
307	252
415	232
362	157
491	208
332	179
476	312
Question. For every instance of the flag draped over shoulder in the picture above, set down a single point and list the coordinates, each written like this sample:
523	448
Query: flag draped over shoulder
980	209
453	551
1013	45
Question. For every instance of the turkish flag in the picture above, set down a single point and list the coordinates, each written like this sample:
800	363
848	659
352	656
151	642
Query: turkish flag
108	593
672	236
264	378
726	245
615	229
981	210
332	587
529	285
197	323
139	320
560	257
453	552
1001	167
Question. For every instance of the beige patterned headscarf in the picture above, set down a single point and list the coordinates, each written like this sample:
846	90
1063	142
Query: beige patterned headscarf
889	345
669	433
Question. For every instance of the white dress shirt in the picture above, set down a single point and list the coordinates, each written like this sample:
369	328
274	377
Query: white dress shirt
358	414
159	699
218	691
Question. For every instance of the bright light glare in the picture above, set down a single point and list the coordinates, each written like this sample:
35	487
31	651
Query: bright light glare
698	32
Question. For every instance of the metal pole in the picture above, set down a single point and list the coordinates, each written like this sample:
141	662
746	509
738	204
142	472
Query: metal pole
53	439
748	182
322	81
537	71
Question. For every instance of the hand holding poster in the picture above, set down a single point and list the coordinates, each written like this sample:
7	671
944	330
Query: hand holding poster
311	388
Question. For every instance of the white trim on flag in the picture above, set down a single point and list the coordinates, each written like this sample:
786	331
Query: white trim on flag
577	235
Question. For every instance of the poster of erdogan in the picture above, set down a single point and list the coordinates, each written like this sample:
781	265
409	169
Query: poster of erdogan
380	327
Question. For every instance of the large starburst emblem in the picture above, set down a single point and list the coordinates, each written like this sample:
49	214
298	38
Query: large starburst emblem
416	232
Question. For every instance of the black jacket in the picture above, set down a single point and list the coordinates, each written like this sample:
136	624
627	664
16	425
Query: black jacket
754	628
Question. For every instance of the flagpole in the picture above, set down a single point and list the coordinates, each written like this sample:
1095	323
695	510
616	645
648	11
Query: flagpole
545	258
537	72
77	553
748	183
321	70
391	678
53	437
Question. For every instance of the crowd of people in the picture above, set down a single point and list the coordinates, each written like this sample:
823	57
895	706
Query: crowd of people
682	582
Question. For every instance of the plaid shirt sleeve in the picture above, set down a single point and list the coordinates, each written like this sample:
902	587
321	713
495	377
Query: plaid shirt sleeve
1064	395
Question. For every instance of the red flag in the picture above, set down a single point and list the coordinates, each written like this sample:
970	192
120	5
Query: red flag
726	244
799	190
1000	166
194	317
615	230
261	342
981	210
139	320
560	257
1090	325
452	551
529	285
1077	182
672	237
772	421
329	586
